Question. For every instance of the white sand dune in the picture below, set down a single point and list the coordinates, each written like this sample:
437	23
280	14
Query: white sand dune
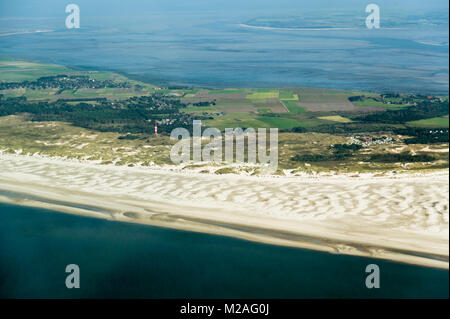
403	219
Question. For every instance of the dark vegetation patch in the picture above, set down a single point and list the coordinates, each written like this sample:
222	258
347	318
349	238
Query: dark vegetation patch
134	115
64	82
400	157
423	135
423	110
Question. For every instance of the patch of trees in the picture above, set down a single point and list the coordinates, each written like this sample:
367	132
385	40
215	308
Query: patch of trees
424	109
346	147
404	157
356	98
179	87
334	157
204	103
129	137
135	115
64	82
391	95
340	152
400	157
427	139
85	99
343	128
424	135
320	157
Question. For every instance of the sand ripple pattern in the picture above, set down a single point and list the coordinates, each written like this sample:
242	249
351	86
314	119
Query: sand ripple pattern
411	203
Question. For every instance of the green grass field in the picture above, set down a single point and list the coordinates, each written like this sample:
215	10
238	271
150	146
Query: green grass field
288	96
293	107
263	95
199	109
236	119
433	122
227	91
312	95
371	102
16	70
280	122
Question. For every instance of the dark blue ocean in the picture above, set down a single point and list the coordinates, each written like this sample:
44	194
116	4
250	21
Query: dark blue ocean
121	260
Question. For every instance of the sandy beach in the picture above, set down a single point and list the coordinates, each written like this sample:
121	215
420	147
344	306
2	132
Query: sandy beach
402	218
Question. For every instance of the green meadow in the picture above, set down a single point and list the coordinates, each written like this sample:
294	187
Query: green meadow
292	106
371	102
262	95
432	122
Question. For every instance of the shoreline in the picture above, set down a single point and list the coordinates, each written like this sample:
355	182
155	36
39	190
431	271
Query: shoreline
171	199
258	235
161	81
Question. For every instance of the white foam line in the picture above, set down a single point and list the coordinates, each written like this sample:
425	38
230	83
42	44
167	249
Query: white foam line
24	32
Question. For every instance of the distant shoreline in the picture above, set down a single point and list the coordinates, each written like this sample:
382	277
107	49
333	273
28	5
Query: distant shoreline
166	82
243	25
161	80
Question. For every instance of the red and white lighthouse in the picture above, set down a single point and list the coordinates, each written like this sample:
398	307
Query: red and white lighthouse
156	129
